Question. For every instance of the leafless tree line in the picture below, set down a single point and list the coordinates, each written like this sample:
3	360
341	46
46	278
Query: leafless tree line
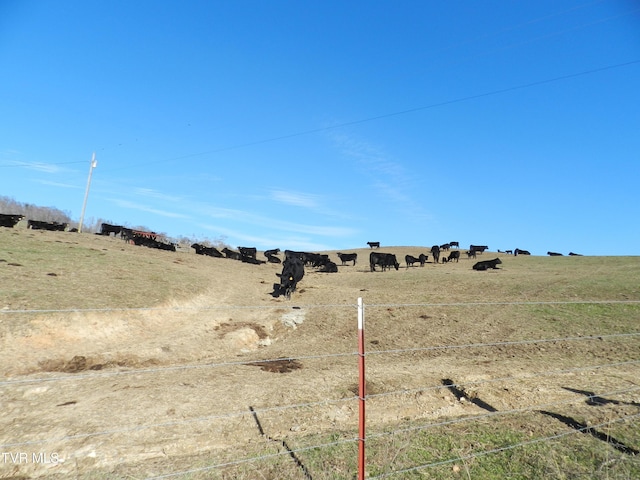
10	206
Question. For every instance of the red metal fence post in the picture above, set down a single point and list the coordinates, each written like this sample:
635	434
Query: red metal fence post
361	391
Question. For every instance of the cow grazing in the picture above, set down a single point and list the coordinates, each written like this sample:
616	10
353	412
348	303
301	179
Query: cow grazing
410	260
554	254
347	257
422	258
455	255
9	220
385	260
517	252
292	273
471	254
209	251
374	244
487	264
231	254
435	253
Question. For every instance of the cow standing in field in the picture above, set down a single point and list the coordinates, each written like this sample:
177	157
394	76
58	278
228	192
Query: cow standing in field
435	253
410	260
348	257
9	220
455	255
292	273
374	244
385	260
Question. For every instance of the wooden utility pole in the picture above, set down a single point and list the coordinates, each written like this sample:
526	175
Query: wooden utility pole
94	163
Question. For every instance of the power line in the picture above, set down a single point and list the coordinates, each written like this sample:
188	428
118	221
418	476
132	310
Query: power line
389	115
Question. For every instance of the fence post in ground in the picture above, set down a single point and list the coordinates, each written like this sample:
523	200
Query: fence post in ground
361	391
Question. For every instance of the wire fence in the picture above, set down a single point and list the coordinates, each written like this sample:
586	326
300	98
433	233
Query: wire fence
607	360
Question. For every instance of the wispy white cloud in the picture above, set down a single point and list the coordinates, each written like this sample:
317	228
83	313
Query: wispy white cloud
59	184
297	199
151	193
40	167
389	177
295	242
145	208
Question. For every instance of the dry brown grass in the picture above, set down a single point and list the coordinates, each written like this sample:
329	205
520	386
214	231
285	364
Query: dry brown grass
164	352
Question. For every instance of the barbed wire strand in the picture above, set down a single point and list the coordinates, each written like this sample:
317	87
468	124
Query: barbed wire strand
314	306
502	344
303	449
484	416
271	409
477	383
137	428
508	447
7	381
252	459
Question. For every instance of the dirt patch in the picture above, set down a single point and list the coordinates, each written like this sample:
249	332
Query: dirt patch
80	363
285	365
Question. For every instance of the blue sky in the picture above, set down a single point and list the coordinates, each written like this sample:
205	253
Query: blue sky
318	125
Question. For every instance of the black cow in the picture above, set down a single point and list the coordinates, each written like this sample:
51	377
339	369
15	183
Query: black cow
248	251
329	267
574	254
231	254
455	244
273	251
410	260
554	254
517	252
107	229
435	253
52	226
209	251
471	254
385	260
374	244
487	264
9	220
455	255
147	241
315	259
347	257
292	273
445	246
478	248
253	261
273	259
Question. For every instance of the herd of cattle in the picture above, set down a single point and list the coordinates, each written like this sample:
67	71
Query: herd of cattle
294	262
12	220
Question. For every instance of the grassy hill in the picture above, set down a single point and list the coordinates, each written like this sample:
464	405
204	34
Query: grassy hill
130	361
